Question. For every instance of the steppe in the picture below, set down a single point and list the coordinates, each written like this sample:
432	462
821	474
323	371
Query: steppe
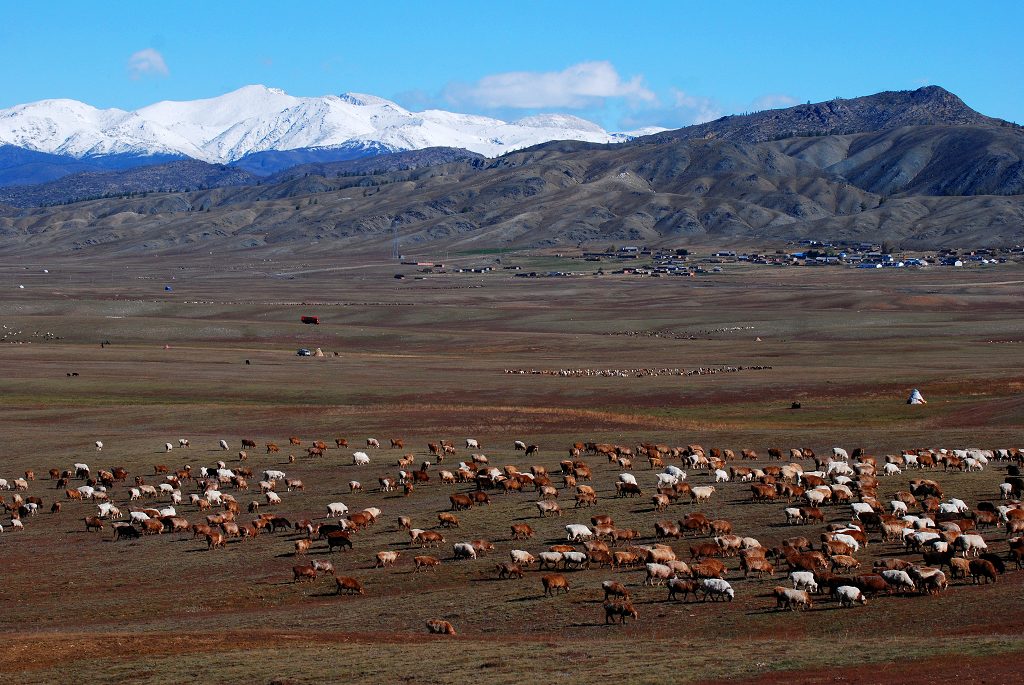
424	358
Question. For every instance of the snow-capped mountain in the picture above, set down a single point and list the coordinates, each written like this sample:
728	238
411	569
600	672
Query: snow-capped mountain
257	119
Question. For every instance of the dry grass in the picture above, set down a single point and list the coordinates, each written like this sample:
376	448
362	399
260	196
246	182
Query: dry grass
423	360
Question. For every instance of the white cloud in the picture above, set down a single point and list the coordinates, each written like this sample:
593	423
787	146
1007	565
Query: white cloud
578	86
695	109
774	101
147	62
684	109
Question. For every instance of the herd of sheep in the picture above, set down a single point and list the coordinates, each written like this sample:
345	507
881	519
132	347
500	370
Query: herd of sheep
850	502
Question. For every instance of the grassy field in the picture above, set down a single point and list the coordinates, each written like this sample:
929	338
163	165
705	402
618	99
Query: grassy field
425	359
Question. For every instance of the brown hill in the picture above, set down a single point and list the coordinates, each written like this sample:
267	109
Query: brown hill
954	178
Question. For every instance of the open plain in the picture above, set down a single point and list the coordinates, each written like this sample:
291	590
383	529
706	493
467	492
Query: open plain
425	359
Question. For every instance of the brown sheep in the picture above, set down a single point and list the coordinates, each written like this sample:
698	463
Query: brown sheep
507	569
620	609
439	627
553	583
426	562
349	586
303	573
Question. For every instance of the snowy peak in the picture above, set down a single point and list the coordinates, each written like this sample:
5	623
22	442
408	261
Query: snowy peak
256	118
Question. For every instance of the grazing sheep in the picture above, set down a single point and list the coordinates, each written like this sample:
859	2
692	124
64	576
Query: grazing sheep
438	627
849	595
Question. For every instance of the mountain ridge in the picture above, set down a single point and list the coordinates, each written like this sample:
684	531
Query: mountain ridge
254	119
926	172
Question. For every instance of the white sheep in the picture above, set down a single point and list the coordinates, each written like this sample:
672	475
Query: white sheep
464	550
849	595
360	458
521	557
717	588
336	509
667	480
577	531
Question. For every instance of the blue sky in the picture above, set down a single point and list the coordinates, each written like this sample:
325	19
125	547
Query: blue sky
620	65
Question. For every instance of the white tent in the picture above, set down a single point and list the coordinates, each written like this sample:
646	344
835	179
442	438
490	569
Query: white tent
916	397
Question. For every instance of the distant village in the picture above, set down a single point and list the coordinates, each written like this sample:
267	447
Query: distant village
657	262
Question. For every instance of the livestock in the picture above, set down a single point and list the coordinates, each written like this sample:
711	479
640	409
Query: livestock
612	588
507	569
223	444
702	493
303	573
386	559
349	586
338	538
716	589
575	532
585	499
550	558
545	507
124	530
301	546
849	595
428	538
756	566
620	609
448	520
843	562
464	550
899	581
425	562
336	509
553	583
460	501
93	523
667	529
687	587
521	531
440	627
803	580
787	598
360	458
982	568
521	557
657	574
575	559
970	545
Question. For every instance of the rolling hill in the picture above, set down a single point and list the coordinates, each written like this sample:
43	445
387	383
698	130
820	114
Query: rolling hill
923	171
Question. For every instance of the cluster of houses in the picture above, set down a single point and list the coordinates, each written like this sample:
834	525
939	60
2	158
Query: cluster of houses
646	261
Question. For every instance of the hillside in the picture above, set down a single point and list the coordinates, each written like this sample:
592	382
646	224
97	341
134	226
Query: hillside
931	184
926	106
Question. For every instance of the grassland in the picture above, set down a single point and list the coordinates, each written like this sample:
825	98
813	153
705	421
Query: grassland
425	359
